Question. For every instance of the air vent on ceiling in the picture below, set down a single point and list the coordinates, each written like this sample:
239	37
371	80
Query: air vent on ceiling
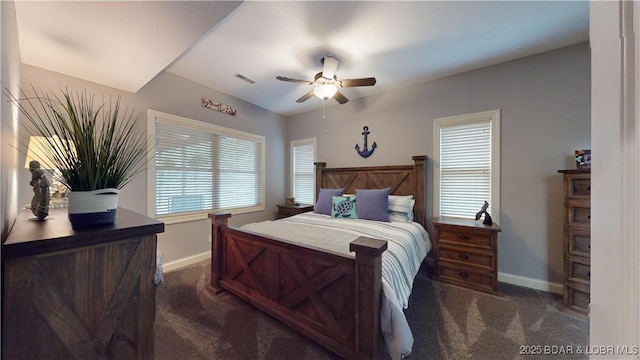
244	78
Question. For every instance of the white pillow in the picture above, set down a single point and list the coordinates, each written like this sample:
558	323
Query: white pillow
401	208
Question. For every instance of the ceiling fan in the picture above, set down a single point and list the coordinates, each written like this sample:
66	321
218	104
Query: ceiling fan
327	84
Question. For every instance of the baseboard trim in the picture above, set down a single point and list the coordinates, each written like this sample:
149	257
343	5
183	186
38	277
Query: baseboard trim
537	284
186	261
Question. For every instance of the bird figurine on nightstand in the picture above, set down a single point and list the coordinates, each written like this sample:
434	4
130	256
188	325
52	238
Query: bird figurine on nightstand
487	217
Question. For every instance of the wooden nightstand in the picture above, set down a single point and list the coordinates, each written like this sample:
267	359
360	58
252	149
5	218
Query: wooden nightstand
466	253
290	210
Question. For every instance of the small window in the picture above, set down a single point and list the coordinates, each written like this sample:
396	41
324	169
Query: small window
303	170
467	164
199	167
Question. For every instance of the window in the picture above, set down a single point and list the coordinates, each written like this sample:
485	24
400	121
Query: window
467	164
303	170
199	167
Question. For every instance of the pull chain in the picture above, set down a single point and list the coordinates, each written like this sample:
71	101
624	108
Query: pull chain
324	107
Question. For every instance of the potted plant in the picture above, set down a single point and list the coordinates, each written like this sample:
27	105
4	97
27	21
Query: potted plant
97	149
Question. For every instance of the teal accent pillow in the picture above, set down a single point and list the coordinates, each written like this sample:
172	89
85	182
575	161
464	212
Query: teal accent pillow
343	207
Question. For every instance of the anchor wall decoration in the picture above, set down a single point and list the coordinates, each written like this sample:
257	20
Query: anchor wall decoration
365	153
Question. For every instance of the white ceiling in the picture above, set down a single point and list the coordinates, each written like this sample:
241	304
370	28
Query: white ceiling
126	44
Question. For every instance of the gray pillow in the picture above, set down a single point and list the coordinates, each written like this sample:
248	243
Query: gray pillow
373	204
323	204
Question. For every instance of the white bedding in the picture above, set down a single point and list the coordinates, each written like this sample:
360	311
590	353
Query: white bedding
408	245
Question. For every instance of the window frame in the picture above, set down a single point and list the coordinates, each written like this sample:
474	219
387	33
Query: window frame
494	117
152	116
302	142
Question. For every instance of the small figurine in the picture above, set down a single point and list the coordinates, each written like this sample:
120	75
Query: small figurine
40	183
487	217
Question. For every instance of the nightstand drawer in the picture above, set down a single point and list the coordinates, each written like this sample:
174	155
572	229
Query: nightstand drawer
466	257
291	210
466	238
465	277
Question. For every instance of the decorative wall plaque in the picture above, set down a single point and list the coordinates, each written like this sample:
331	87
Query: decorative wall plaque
210	104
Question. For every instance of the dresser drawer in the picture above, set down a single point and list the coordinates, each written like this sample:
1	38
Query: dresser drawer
579	187
465	238
466	257
580	216
579	272
577	300
579	243
465	277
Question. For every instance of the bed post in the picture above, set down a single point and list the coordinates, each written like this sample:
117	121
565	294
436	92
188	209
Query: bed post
217	221
368	294
419	192
320	166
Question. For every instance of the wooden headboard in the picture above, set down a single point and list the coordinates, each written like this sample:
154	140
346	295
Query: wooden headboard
402	179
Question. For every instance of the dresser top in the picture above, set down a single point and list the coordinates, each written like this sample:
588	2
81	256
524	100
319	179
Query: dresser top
575	171
30	236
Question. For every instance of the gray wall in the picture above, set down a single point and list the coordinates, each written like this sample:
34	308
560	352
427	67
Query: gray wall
10	67
9	78
545	116
175	95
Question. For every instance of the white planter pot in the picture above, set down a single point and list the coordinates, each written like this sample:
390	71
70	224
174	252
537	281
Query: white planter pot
93	208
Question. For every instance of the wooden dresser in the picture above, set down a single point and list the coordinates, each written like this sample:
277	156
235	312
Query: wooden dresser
290	210
577	239
79	294
466	253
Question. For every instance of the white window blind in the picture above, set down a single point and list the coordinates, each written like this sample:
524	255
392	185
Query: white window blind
200	167
184	169
239	173
467	169
302	168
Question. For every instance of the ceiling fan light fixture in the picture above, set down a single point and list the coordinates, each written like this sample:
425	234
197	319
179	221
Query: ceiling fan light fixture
326	91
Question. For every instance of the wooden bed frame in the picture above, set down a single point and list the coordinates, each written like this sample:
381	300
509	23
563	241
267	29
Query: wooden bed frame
330	298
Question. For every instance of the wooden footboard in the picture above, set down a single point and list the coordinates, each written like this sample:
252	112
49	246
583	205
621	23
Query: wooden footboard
330	298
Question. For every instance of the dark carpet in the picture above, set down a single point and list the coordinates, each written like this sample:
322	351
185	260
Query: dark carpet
448	322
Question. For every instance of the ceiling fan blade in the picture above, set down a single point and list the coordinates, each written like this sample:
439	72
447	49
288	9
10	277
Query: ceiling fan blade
305	97
329	67
358	82
340	98
282	78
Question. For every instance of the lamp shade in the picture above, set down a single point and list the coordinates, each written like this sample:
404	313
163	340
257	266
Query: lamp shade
326	91
40	149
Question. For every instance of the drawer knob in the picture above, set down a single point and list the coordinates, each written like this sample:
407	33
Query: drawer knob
463	237
463	274
588	188
463	256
